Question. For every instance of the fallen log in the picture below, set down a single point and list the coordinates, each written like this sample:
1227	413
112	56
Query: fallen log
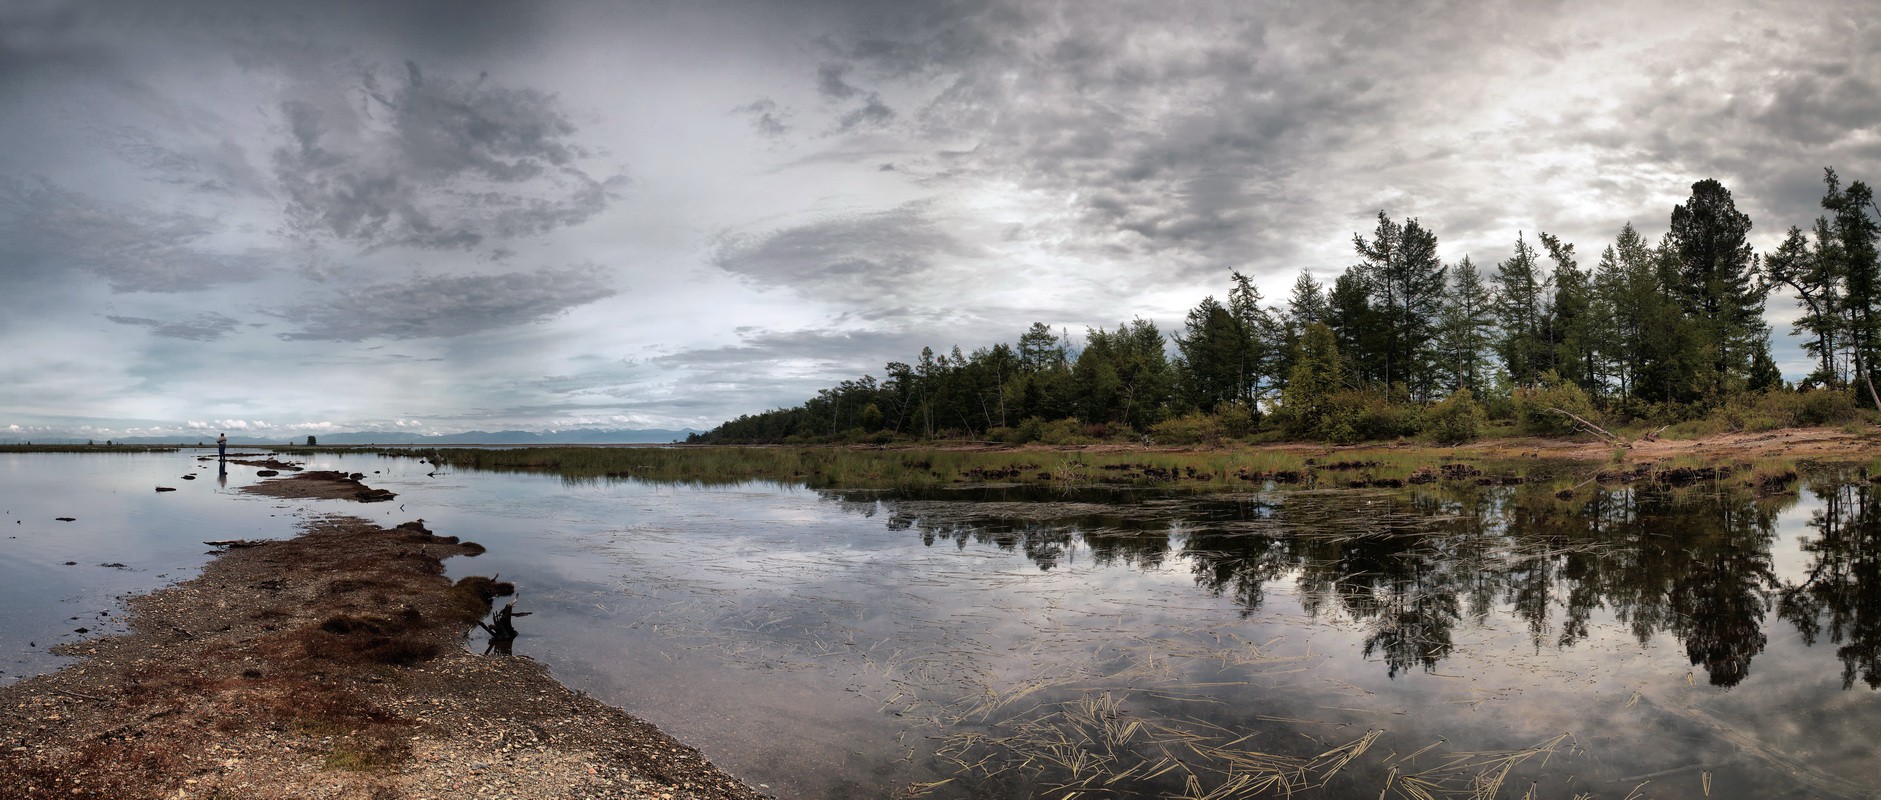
1592	428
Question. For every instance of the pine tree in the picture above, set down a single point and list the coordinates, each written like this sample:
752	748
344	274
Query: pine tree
1406	281
1571	321
1215	358
1260	335
1307	304
1305	403
1718	286
1856	231
1520	306
1465	329
1813	274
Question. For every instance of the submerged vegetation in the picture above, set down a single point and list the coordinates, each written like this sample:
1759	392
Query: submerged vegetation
1401	344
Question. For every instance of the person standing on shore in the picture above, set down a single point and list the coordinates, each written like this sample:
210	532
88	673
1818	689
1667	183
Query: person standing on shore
222	446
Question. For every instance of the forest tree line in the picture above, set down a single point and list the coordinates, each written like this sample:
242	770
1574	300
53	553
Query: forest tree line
1402	344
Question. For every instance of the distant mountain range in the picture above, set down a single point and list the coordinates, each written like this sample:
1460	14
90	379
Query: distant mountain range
571	436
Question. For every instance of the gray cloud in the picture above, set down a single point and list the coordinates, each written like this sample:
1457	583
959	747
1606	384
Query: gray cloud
200	328
766	116
45	229
870	258
435	163
444	307
830	82
872	113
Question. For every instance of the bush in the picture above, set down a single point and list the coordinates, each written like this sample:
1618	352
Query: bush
1004	435
1192	428
1229	421
1458	419
1535	406
1355	416
1766	411
1823	407
1057	432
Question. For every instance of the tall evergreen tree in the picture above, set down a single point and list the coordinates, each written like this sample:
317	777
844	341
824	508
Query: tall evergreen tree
1316	377
1463	339
1521	315
1215	356
1357	326
1857	233
1307	304
1406	280
1260	336
1812	272
1718	286
1571	322
1123	376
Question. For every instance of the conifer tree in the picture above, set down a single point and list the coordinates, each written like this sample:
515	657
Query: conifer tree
1465	330
1521	315
1717	285
1406	281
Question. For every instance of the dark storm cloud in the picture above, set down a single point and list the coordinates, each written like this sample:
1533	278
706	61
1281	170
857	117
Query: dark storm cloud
866	258
45	230
443	307
433	162
201	328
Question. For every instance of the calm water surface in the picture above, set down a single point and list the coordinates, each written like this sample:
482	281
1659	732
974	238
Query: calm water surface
1003	643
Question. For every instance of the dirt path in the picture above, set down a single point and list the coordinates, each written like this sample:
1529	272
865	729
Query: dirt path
326	666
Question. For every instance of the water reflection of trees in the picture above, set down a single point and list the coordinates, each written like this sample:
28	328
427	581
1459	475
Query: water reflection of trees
1841	595
1412	568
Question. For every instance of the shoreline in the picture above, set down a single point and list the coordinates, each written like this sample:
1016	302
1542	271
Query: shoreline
328	665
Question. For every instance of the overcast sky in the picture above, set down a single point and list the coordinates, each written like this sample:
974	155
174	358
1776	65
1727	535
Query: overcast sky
286	218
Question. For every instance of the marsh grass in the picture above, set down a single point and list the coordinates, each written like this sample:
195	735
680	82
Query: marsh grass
870	468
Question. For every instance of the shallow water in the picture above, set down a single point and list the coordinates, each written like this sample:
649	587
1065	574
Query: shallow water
1013	643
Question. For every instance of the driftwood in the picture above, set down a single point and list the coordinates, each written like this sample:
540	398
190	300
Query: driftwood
500	628
1594	429
1654	436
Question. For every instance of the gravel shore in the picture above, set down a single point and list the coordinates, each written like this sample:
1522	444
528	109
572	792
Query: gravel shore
330	665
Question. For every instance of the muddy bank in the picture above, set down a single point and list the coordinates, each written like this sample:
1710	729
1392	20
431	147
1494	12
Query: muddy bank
326	666
321	485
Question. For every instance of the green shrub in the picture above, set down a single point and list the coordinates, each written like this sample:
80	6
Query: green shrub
1458	419
1060	432
1004	435
1536	406
1355	416
1191	428
1823	407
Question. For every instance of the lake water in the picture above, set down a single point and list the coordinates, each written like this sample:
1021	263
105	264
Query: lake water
1011	643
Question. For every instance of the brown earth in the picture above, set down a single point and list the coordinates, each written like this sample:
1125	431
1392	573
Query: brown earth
330	665
320	484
